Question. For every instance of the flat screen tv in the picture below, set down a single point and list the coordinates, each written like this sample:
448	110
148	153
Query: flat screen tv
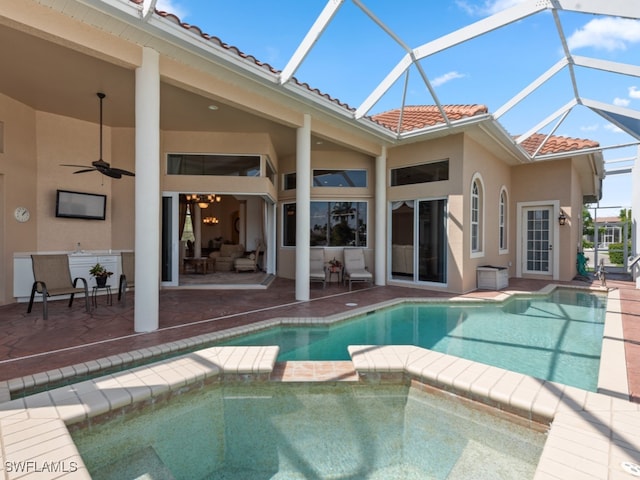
91	206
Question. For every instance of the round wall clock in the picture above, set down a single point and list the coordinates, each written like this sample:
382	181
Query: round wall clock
22	214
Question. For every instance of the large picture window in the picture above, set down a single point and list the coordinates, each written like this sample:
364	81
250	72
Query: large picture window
333	224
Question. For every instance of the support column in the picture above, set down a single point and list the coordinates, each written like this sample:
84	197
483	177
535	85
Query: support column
303	207
197	230
147	195
635	215
380	275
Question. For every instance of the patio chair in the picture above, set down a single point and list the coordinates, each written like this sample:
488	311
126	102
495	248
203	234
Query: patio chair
52	277
354	267
317	271
249	263
128	275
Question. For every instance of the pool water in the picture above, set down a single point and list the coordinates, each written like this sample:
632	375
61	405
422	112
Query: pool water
556	337
293	431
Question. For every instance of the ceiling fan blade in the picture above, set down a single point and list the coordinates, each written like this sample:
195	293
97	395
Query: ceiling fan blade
85	170
123	172
110	173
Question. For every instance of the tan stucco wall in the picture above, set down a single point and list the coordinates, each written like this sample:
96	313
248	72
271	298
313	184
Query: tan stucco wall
494	175
18	187
551	181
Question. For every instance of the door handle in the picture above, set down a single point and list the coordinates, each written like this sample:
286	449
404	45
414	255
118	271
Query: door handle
550	247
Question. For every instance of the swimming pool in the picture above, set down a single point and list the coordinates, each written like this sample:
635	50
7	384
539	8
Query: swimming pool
292	431
555	337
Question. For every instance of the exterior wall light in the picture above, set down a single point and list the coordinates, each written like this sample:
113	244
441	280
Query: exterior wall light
562	218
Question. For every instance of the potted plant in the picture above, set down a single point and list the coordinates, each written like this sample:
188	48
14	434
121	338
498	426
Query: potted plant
101	274
335	265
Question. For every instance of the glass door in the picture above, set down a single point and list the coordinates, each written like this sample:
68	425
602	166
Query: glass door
419	241
432	241
537	240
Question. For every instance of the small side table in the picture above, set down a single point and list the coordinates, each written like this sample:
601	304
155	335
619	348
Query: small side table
94	295
337	271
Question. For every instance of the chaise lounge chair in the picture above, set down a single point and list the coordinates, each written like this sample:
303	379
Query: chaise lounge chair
52	277
354	267
317	271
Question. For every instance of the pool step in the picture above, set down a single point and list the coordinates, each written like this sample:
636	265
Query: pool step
143	463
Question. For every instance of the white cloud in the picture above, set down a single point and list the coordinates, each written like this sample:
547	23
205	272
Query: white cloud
634	92
447	77
606	33
488	7
621	102
589	128
173	6
613	128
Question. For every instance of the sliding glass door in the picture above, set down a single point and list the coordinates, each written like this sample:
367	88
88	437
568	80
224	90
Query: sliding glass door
419	241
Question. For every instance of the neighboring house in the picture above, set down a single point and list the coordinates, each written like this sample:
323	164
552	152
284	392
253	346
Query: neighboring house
294	167
610	230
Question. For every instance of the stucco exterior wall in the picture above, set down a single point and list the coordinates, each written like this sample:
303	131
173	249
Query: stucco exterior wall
18	187
494	175
553	181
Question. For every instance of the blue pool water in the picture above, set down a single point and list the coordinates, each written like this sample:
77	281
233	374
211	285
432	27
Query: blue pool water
556	337
291	431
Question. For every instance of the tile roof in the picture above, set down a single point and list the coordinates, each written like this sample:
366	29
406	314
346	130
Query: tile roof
195	29
415	117
556	144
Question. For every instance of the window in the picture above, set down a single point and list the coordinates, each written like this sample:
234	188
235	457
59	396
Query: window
333	224
223	165
424	173
502	221
476	216
339	178
289	181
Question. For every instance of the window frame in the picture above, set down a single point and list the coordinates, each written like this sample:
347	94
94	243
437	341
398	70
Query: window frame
503	221
335	170
394	169
476	228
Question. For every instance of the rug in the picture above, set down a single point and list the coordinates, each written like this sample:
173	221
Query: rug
227	279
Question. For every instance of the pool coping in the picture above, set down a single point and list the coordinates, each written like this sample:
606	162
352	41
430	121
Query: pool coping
590	436
612	377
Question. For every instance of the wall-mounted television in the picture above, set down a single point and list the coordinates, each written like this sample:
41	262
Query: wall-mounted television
91	206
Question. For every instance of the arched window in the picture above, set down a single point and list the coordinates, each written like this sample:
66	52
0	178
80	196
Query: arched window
503	220
476	215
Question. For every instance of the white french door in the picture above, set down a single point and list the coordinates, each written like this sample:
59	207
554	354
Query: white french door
537	240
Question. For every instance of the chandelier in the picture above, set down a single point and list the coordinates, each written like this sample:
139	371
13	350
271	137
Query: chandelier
210	220
204	200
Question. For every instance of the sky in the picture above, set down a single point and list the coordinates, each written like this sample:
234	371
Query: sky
353	56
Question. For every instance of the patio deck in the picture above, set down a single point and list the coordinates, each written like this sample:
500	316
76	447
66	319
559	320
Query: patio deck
30	345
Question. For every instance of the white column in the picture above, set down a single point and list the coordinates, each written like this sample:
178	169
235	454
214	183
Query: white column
380	275
635	214
197	230
303	207
147	195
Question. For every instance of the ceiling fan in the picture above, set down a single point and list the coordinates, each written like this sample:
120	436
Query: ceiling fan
100	165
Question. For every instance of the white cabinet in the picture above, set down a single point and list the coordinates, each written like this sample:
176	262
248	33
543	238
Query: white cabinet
79	265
